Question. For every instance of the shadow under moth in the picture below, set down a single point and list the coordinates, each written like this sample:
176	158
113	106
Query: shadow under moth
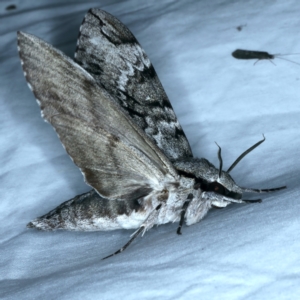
116	122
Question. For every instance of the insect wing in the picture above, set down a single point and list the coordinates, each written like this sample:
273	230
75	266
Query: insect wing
114	154
111	54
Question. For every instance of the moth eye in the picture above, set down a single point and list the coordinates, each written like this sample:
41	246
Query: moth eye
216	187
219	189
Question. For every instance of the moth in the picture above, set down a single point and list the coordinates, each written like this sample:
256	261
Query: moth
116	122
259	55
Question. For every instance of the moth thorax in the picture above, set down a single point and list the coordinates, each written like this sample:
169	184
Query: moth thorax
207	177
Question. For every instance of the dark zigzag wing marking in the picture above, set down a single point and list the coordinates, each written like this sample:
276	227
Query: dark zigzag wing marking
112	55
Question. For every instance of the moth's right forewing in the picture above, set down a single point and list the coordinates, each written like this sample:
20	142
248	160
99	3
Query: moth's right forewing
115	156
112	55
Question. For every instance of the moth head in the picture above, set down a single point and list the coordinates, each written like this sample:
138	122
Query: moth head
211	179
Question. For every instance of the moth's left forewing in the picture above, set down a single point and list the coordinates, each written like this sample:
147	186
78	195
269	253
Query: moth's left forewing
114	154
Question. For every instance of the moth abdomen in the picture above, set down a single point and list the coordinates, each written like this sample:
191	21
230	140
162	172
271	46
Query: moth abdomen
89	212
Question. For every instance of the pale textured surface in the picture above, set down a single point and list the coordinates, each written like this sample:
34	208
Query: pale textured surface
241	252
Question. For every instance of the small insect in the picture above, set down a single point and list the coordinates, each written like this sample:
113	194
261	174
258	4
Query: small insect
11	7
259	55
240	27
116	122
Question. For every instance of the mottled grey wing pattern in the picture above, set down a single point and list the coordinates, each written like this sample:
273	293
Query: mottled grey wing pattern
112	55
116	157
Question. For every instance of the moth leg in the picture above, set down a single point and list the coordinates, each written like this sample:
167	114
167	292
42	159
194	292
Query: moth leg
183	211
252	201
221	201
133	237
244	201
148	223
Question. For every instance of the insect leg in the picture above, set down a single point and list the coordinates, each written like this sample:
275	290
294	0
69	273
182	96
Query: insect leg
134	236
148	223
252	201
222	201
269	59
242	201
183	211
